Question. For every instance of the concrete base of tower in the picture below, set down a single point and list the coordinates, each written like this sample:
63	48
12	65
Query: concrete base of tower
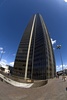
39	83
18	82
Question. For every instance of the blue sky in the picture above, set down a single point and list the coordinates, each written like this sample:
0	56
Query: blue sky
14	17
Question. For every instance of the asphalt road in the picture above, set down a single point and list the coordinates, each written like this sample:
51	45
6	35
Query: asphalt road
54	90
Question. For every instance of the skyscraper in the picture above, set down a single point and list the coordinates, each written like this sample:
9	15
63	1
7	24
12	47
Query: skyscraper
35	57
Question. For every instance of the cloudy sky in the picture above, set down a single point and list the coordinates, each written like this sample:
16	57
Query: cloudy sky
14	17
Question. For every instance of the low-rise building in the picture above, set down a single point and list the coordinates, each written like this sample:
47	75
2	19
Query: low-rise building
5	69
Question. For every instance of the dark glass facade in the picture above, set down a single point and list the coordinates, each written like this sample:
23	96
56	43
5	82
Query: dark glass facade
35	57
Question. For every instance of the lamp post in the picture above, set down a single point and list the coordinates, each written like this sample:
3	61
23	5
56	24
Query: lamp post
2	52
1	56
58	47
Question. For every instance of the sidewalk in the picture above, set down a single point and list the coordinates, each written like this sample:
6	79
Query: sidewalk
55	89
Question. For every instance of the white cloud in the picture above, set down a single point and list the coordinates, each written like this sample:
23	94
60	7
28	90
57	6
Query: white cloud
11	64
1	49
53	41
3	62
58	68
65	0
53	48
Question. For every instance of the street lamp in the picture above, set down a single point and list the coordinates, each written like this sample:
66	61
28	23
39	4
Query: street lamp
58	47
2	52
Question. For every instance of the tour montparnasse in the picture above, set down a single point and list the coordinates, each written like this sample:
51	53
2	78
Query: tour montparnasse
35	57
